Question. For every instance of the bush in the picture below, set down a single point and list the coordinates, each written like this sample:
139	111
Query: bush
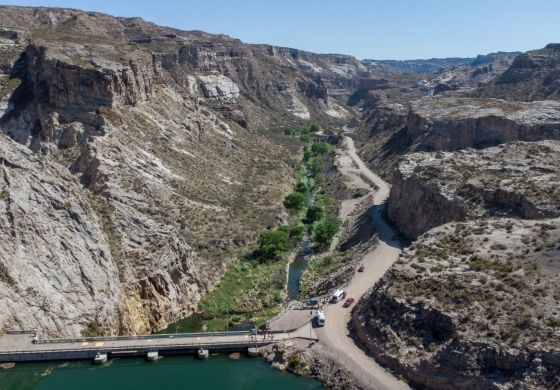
315	166
295	233
314	128
295	201
307	154
274	243
301	187
314	213
92	329
320	148
289	131
325	230
277	296
305	138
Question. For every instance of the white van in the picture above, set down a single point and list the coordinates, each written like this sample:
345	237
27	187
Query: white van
320	318
338	296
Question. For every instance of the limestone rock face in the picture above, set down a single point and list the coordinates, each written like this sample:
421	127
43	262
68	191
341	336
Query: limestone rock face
104	84
534	75
454	123
470	305
218	87
57	273
516	179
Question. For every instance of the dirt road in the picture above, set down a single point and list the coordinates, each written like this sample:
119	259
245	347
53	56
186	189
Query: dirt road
334	336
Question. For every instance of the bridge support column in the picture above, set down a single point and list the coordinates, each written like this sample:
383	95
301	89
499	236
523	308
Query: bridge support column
203	353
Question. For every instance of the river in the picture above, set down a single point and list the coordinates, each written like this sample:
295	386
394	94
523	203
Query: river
296	268
171	372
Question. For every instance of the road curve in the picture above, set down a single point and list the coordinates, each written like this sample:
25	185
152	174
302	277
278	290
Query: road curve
334	336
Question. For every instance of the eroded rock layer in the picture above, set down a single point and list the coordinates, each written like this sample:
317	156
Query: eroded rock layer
470	305
518	179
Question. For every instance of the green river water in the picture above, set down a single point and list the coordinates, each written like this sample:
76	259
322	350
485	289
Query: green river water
171	372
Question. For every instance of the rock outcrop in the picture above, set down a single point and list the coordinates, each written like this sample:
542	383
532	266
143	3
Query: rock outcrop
455	123
56	268
534	75
470	305
518	179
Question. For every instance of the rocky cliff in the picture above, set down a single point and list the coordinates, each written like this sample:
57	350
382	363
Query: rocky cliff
56	268
470	305
478	105
534	75
456	123
517	179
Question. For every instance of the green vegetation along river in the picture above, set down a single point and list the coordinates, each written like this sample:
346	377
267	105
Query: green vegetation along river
172	372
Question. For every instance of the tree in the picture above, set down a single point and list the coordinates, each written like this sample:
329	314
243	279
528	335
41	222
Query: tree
295	201
314	213
295	232
273	243
315	166
325	230
320	148
301	186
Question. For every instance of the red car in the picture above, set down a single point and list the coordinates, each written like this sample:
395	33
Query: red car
348	302
361	268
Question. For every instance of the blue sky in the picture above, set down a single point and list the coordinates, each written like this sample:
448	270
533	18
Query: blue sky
380	29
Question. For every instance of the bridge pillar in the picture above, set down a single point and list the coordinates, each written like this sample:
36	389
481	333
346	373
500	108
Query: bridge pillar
203	353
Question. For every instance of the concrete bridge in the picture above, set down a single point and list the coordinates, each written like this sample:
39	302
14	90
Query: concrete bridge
26	346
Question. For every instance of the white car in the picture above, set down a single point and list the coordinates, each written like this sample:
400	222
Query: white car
320	318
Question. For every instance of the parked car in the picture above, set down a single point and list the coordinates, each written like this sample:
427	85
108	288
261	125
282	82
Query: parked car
320	318
312	303
361	268
338	296
348	302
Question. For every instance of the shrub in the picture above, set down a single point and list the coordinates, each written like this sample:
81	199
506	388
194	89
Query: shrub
295	232
301	187
295	201
305	138
314	213
320	148
277	296
315	166
289	131
325	230
273	243
93	329
314	128
307	154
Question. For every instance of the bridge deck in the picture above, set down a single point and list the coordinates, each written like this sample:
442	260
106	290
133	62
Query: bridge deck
20	347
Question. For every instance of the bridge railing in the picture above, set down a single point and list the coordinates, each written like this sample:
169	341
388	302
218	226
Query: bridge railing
21	331
143	337
143	347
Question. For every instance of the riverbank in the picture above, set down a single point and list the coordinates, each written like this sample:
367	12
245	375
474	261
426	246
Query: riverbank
257	284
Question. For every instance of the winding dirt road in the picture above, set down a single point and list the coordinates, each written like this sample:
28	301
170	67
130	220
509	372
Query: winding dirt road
334	338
